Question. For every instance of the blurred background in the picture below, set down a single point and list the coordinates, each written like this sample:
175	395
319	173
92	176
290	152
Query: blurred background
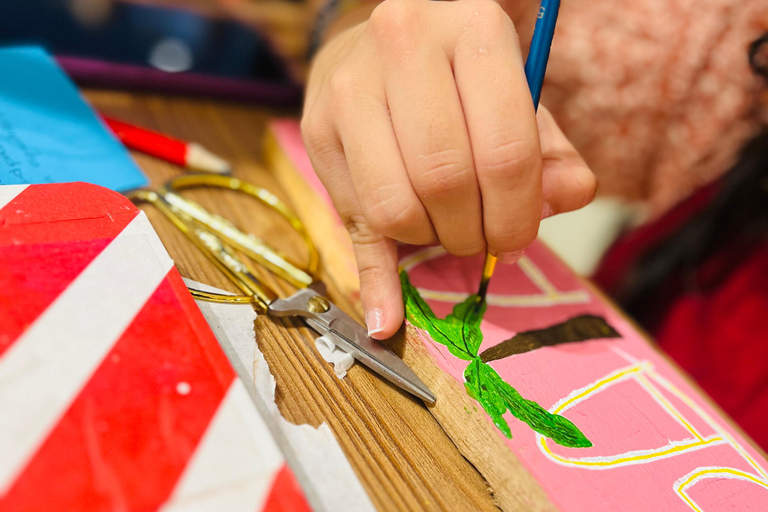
228	48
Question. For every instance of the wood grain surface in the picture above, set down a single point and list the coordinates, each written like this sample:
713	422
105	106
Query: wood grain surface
402	456
513	487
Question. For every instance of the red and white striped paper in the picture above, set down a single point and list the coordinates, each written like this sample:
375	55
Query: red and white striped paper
114	393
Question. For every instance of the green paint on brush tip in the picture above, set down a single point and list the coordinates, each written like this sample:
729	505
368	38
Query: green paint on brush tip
460	332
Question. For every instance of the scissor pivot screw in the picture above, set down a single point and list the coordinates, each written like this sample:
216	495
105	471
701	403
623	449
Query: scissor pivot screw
318	304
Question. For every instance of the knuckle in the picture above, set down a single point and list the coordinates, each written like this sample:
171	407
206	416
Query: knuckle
393	17
342	85
490	18
312	128
442	174
509	158
318	137
394	25
391	216
307	125
489	11
370	272
359	231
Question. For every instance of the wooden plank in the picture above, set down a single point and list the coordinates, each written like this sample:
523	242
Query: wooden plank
401	454
473	435
655	437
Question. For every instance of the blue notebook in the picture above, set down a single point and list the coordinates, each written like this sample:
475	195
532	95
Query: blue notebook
49	134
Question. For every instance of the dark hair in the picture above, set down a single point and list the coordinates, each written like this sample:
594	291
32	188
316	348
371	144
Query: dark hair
701	253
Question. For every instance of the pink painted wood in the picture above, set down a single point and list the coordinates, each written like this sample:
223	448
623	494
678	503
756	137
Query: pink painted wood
658	444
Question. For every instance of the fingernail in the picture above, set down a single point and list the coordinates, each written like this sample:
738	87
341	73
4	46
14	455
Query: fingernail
508	258
546	211
374	319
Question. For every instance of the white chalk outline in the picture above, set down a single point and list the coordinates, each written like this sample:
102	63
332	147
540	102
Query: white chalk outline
646	376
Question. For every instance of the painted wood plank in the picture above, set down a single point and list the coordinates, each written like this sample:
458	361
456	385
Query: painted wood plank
658	442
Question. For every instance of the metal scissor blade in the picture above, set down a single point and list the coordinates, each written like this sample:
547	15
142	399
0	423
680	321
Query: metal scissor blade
351	337
379	359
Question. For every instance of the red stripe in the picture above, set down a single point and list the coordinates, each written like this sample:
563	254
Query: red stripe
48	235
127	437
286	494
208	343
32	276
64	212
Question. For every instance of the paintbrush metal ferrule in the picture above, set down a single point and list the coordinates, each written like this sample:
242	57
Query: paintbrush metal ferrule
488	266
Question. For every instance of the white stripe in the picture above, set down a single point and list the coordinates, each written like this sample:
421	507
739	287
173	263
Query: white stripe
316	458
9	192
42	373
235	463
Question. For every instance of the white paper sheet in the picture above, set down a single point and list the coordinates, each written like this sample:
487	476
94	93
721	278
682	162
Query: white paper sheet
314	454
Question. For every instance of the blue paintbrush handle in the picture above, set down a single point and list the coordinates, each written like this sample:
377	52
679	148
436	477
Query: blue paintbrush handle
538	55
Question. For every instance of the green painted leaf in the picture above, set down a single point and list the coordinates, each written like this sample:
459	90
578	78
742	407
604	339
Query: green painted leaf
558	428
460	332
467	316
443	331
477	388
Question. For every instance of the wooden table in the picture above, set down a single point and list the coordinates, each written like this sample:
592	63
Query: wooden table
401	455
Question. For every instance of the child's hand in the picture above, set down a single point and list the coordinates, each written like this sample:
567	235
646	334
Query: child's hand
420	124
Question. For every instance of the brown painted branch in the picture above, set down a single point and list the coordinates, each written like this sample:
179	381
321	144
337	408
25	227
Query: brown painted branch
580	328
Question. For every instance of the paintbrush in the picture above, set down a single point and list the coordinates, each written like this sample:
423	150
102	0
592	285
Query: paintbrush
535	67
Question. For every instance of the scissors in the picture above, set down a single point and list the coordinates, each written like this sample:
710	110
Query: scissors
222	243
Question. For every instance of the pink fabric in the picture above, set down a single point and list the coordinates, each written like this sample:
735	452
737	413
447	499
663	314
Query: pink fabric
656	94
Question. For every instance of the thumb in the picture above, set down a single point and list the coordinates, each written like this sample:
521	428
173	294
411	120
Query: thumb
567	182
380	290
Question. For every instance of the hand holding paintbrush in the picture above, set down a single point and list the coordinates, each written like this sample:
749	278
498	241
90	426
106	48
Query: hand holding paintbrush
420	124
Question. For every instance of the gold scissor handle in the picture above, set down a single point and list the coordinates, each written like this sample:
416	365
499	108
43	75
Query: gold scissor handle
250	245
215	250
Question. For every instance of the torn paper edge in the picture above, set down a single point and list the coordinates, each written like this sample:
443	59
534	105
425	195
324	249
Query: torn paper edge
315	456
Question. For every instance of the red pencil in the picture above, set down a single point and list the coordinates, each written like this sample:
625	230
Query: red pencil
179	152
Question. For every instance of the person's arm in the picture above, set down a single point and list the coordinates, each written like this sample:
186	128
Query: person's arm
419	122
